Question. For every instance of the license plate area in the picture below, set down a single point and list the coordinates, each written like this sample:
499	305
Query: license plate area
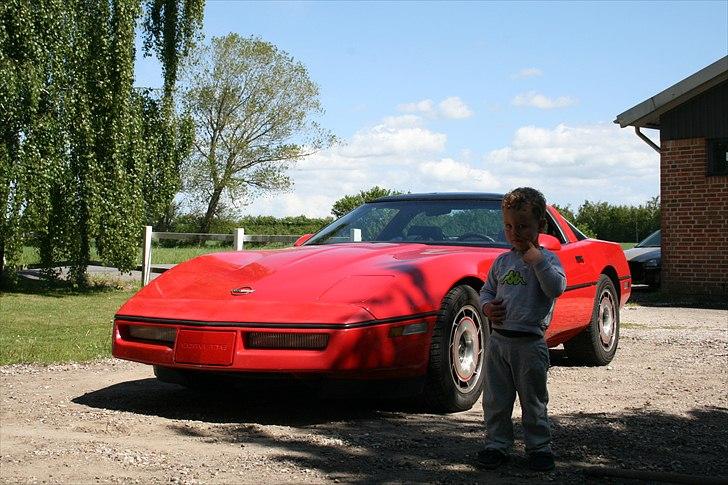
204	348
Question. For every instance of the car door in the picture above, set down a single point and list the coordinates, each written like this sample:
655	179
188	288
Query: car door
573	308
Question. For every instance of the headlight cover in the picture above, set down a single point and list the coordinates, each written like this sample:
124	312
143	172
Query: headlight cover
155	333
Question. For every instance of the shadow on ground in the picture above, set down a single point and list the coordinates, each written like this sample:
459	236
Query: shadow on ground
365	440
34	281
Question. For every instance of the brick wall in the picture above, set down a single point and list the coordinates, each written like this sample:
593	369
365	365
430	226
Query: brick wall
694	221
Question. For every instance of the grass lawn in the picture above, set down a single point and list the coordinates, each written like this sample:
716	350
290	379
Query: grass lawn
47	324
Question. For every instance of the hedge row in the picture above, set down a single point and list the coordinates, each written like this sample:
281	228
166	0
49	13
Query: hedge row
253	224
622	223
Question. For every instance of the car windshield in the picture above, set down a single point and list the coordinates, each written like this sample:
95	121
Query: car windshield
450	222
651	241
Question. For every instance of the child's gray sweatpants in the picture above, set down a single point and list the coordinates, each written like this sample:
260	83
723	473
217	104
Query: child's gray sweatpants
516	365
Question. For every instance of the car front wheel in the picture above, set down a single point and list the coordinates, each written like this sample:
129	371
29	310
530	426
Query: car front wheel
455	374
597	344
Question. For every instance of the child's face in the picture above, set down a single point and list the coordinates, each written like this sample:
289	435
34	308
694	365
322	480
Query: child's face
521	227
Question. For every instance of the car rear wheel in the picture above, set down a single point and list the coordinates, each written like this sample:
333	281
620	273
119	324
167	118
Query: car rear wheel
455	374
597	344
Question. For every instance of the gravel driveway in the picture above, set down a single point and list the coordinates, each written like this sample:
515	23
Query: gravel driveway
661	407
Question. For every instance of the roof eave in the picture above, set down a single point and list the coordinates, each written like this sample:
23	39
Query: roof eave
647	113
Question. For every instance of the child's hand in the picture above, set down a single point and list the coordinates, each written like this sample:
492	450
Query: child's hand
495	311
532	255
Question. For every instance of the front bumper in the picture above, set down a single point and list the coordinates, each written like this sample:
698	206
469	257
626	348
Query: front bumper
642	274
371	350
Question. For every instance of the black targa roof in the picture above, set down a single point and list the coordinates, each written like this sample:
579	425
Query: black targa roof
442	196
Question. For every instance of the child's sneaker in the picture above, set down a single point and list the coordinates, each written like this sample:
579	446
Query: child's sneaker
541	461
490	458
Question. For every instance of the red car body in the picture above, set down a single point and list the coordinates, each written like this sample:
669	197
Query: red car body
361	310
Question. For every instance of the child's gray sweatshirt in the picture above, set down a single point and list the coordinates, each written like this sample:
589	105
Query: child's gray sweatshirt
528	292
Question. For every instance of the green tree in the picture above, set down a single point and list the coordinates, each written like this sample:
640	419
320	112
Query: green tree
569	215
74	157
350	202
251	105
167	142
566	211
619	222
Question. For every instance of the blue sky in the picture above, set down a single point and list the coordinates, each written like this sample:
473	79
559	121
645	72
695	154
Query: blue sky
478	96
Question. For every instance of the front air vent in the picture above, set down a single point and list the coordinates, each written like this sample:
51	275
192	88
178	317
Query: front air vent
288	340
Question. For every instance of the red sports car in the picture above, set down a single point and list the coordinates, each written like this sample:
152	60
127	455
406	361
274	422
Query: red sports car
387	293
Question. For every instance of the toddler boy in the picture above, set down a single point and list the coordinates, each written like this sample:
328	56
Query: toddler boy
518	299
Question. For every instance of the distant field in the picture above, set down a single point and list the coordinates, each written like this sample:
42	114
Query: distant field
626	245
161	255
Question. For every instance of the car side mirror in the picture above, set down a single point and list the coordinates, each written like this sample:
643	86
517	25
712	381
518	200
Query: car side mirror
549	242
302	240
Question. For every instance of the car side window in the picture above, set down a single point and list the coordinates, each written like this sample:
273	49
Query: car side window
552	229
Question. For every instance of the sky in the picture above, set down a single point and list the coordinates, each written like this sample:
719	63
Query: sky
477	96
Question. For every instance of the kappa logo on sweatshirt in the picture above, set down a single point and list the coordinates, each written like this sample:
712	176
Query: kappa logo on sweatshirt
513	278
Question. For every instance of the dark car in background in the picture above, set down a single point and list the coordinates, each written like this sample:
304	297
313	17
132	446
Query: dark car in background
645	261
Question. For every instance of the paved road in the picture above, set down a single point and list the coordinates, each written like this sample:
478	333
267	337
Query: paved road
94	270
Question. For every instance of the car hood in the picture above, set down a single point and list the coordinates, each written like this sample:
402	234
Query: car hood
639	255
340	283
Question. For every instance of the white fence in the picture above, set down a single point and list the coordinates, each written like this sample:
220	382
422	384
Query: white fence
238	239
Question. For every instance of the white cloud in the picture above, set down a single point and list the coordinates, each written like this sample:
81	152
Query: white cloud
454	108
528	72
449	171
597	162
403	121
393	138
398	153
449	108
570	164
291	203
537	100
426	106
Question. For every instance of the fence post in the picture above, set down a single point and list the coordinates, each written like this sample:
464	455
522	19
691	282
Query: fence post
147	255
355	235
238	238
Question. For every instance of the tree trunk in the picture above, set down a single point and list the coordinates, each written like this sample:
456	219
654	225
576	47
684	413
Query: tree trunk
211	209
80	260
2	258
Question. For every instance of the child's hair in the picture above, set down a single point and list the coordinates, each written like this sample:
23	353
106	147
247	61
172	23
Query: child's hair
522	197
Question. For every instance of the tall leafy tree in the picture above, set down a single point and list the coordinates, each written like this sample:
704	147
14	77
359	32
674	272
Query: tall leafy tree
74	162
253	107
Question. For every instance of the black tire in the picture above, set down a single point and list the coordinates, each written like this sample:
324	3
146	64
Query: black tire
455	374
597	344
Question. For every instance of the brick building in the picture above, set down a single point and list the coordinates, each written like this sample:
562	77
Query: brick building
692	117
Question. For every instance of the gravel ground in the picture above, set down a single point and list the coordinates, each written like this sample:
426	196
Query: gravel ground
661	407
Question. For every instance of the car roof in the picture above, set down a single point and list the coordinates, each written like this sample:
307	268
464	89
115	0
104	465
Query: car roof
442	196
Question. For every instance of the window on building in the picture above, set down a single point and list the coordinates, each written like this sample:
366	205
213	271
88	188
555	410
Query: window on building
718	156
